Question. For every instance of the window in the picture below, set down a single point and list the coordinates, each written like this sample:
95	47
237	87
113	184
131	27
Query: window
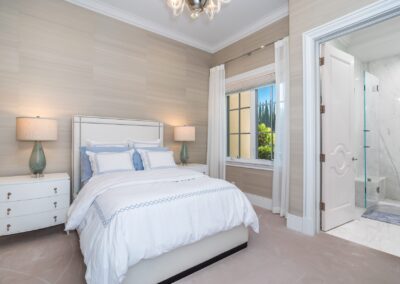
251	123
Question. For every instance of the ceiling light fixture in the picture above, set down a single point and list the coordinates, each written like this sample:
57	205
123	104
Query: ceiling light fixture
196	7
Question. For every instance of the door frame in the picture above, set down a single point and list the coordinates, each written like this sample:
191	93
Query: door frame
367	16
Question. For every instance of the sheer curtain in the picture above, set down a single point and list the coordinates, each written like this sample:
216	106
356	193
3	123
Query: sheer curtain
280	188
216	150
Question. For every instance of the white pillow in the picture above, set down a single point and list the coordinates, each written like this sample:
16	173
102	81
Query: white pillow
144	143
157	160
105	162
95	143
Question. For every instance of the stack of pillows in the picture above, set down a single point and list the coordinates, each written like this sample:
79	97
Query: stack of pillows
133	155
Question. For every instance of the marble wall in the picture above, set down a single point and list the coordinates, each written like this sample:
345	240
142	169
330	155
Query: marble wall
388	72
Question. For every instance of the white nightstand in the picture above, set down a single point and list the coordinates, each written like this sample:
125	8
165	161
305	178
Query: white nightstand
202	168
28	203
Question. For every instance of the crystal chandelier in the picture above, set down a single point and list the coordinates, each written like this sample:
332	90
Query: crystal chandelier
196	7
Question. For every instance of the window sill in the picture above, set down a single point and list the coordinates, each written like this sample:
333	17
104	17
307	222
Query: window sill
251	164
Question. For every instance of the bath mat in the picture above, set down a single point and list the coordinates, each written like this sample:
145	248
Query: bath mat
384	213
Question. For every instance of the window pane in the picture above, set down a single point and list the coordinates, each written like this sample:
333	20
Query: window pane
245	146
245	120
245	99
266	122
233	101
234	146
233	121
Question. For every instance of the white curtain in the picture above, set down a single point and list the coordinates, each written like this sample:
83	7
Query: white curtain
216	150
280	189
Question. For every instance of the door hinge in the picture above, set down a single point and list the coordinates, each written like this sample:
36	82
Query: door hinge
322	108
321	61
322	206
322	158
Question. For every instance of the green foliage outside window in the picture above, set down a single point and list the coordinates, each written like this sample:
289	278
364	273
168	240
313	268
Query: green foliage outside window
266	139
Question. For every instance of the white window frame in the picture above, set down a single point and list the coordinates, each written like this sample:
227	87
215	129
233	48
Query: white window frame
267	70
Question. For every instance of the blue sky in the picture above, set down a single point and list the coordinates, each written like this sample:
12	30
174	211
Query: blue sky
265	93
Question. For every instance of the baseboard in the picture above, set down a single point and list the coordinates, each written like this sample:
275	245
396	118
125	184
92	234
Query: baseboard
259	201
294	222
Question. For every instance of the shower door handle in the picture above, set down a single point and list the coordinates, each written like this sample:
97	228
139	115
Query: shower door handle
354	159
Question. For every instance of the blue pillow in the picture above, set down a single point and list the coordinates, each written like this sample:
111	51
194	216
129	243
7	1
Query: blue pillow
137	159
86	168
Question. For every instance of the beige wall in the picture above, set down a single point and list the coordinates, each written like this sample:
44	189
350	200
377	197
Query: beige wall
263	57
258	182
57	60
303	16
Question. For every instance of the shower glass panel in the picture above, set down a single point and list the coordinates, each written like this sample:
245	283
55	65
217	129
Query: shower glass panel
372	148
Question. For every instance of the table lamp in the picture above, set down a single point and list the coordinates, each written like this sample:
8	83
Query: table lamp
184	134
36	129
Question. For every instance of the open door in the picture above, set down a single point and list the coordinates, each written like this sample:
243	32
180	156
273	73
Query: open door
337	174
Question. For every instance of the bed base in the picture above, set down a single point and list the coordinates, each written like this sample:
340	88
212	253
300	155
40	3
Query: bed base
183	261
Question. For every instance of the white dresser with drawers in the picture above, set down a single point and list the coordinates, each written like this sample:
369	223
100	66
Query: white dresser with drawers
28	203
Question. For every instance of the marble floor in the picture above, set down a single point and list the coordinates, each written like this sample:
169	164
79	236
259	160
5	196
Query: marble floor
276	255
371	233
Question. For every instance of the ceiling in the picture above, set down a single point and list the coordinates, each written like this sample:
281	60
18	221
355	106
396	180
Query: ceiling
236	20
376	42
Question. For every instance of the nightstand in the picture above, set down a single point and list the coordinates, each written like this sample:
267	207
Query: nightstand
202	168
28	203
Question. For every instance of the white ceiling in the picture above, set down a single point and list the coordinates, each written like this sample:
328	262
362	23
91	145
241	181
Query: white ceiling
236	20
376	42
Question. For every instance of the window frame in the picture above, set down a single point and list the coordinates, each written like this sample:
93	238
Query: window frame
268	70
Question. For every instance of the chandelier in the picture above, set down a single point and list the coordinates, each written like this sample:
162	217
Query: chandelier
196	7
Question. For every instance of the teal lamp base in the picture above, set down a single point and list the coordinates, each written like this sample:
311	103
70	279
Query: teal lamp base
184	154
37	161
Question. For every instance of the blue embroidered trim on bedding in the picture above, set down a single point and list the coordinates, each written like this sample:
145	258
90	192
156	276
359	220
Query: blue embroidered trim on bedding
106	221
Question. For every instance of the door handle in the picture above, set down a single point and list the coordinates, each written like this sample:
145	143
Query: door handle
354	159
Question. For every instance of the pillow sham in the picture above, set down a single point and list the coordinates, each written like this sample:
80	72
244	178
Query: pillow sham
157	160
144	143
86	168
137	159
105	162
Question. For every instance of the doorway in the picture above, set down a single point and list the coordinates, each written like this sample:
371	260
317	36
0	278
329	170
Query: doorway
360	136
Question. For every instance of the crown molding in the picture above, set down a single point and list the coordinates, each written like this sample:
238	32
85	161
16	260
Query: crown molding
276	16
129	18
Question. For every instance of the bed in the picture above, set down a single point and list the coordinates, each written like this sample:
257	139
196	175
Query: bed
153	226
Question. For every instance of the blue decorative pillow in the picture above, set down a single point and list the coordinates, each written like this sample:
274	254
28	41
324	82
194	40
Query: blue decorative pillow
86	169
137	159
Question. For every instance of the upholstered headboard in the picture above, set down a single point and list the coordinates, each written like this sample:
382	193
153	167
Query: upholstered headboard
108	130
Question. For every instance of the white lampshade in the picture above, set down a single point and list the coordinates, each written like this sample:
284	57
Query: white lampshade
185	133
36	129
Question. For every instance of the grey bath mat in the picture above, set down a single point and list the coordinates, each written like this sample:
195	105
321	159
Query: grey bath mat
384	213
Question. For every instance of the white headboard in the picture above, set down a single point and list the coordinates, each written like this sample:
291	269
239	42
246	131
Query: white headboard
108	130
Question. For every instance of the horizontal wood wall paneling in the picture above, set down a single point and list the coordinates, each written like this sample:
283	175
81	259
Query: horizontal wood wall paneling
58	60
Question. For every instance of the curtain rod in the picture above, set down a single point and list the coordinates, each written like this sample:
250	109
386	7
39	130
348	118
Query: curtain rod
252	51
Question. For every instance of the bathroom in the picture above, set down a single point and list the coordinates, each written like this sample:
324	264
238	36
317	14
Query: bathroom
375	131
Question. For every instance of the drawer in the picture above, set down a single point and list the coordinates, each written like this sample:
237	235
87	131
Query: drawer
32	206
32	222
24	191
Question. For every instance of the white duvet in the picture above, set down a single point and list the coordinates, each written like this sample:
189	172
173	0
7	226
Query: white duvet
125	217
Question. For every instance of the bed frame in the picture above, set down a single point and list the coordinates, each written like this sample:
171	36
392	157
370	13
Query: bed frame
175	264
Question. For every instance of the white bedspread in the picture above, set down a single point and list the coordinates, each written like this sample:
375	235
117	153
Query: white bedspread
126	217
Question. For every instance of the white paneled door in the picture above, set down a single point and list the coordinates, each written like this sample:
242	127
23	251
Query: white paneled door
337	174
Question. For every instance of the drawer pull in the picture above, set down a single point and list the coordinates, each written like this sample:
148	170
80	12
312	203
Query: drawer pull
8	211
8	227
55	190
55	204
55	219
8	195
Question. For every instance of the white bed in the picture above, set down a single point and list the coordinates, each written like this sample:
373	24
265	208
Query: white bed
142	227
